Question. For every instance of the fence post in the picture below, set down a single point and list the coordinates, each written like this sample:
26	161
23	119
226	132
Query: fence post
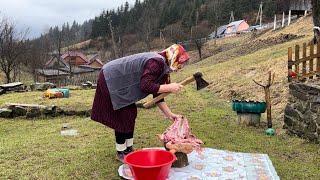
318	60
282	20
275	22
311	58
296	59
290	62
289	18
304	62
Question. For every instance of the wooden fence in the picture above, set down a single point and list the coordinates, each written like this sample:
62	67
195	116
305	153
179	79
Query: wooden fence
306	63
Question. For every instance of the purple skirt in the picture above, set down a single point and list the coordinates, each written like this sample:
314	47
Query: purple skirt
121	120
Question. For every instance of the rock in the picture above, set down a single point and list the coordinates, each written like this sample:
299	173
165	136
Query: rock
41	86
49	110
5	113
18	111
71	132
33	112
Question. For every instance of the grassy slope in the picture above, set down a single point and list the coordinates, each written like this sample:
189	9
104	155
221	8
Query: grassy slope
39	152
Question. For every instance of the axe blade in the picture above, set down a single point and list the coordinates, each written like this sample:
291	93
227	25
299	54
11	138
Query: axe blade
201	83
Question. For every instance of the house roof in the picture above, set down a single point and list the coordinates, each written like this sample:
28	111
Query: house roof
97	60
50	72
75	54
220	31
236	24
55	58
92	57
77	70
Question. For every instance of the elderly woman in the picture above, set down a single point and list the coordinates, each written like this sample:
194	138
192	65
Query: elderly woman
124	81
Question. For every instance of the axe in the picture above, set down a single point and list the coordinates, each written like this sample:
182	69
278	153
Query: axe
201	83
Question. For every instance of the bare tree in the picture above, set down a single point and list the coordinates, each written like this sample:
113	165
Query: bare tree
38	55
147	25
12	49
199	36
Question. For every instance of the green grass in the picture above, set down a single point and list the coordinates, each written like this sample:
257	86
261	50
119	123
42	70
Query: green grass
78	100
34	149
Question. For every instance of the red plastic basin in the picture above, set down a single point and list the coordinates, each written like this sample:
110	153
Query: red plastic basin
150	164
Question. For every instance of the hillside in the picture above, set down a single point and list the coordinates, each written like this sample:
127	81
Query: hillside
240	59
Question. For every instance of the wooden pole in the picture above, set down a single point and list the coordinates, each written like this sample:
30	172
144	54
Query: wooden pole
318	59
282	19
311	58
304	63
267	97
296	59
290	64
275	22
289	18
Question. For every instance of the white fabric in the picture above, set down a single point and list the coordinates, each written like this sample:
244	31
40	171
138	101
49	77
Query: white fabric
121	147
219	164
129	142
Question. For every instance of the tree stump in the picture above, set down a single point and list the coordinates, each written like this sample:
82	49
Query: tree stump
182	159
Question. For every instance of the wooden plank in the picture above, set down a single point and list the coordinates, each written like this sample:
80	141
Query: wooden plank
25	105
296	54
290	64
304	55
308	58
318	59
11	85
311	74
311	59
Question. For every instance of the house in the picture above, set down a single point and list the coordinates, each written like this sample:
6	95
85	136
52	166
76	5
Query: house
236	27
220	32
96	63
298	7
75	58
72	65
50	75
56	62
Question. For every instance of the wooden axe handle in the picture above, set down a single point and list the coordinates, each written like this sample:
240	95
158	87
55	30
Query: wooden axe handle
158	98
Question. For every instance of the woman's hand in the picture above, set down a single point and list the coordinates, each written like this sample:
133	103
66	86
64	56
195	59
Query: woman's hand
174	87
172	117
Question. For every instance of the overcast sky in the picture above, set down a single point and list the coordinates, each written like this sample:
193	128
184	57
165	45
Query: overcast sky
40	15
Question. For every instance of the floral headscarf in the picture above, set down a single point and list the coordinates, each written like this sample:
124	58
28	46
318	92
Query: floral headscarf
176	56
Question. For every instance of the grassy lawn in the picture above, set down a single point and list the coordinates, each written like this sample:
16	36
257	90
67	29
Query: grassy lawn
34	149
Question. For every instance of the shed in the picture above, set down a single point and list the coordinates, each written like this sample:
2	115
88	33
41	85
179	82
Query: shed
50	75
236	27
220	32
298	7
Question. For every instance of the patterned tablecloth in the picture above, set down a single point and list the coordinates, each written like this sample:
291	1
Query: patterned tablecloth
220	164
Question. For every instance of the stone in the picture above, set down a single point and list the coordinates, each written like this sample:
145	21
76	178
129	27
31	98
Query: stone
33	112
71	132
312	92
288	120
318	118
303	87
299	95
312	136
316	99
41	86
289	111
314	107
307	117
18	111
5	113
74	113
49	110
311	128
